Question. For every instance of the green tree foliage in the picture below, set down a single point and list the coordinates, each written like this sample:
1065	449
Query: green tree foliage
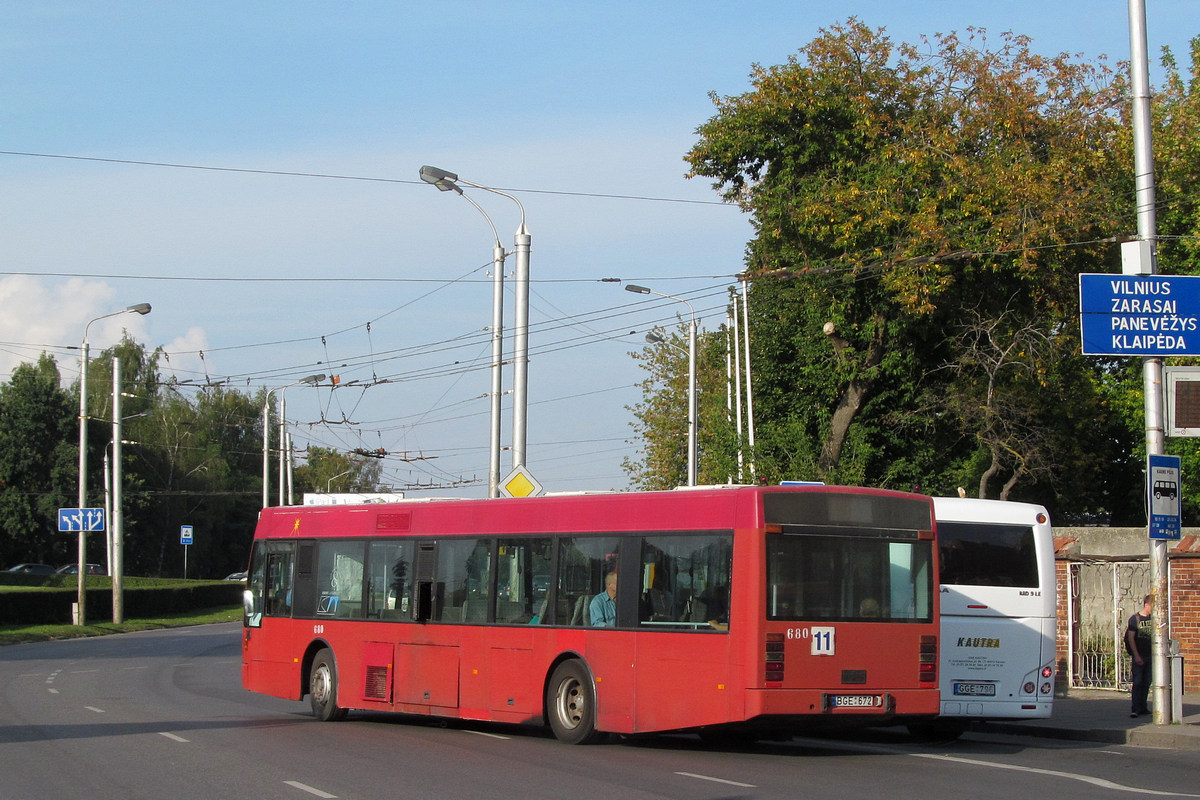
921	213
37	464
328	470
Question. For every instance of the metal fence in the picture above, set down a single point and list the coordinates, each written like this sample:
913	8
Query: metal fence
1102	597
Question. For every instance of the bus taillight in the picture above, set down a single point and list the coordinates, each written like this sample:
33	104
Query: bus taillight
774	658
928	662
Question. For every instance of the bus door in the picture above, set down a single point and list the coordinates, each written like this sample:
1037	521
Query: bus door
269	600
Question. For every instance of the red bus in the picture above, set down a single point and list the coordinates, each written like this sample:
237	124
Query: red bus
767	608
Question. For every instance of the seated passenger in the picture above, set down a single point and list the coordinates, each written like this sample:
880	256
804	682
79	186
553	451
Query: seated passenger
603	608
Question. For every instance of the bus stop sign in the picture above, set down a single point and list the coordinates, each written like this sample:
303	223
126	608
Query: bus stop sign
1162	484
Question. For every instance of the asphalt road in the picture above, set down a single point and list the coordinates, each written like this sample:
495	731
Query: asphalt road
162	714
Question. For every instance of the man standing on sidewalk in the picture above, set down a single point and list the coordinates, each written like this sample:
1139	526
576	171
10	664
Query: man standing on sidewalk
1138	643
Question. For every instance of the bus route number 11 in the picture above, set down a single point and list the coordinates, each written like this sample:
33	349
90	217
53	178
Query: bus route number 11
822	641
820	638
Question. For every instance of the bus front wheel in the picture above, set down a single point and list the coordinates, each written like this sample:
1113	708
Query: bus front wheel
322	688
571	704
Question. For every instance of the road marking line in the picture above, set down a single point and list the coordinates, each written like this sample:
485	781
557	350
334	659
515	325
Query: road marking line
489	735
93	708
83	671
716	780
54	691
305	788
172	736
1101	782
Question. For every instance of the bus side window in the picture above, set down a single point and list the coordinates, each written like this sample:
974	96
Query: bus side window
522	580
583	563
685	581
389	582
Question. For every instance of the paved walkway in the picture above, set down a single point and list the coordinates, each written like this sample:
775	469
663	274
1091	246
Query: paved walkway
1102	716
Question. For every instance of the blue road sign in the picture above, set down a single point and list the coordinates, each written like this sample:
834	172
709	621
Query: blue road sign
185	534
1164	489
80	519
1140	315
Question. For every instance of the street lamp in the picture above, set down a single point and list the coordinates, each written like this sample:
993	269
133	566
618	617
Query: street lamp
266	459
691	423
140	308
448	182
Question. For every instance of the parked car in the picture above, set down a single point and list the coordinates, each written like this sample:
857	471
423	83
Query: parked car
89	569
32	569
236	576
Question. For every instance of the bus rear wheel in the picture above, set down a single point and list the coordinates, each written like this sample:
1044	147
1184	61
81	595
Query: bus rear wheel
322	688
571	704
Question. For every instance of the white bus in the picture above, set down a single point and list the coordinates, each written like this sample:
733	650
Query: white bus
998	606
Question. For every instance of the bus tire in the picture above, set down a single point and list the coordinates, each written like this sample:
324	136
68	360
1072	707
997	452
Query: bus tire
322	687
571	704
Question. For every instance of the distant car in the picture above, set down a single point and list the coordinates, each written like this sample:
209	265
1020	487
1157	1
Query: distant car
236	576
32	569
89	569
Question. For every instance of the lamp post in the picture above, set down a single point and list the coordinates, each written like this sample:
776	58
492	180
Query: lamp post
140	308
691	466
266	455
448	182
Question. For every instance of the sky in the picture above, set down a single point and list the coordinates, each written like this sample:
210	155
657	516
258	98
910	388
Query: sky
251	171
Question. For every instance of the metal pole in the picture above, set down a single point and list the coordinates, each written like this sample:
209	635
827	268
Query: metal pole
291	497
497	366
282	442
1143	164
117	520
737	384
521	346
108	540
692	398
266	459
749	392
81	600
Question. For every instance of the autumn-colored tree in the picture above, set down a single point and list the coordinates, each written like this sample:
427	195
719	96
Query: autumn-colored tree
891	188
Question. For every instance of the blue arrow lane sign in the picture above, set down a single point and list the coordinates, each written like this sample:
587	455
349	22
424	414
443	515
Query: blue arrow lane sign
80	519
1140	315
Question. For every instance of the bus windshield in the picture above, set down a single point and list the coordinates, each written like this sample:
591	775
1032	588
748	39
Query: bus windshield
848	578
987	554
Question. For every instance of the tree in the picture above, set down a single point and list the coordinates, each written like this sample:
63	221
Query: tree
37	464
326	470
892	188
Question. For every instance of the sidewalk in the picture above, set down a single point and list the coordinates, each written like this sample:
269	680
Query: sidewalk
1102	716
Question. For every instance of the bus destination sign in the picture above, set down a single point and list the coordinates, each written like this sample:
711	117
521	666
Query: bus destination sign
1139	315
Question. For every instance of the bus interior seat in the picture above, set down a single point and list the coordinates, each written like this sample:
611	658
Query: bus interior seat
582	614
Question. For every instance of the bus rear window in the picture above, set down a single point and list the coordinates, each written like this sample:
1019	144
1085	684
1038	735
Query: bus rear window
841	578
987	554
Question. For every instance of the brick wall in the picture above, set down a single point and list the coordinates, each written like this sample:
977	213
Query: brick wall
1063	645
1185	614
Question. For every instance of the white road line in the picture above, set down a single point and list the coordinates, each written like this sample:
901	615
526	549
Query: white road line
1101	782
83	671
54	691
172	736
144	666
489	735
306	788
716	780
93	708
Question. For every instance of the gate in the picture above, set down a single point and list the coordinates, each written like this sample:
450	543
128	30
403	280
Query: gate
1103	595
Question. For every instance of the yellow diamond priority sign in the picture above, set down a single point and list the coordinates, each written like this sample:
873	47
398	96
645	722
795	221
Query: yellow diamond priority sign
520	483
